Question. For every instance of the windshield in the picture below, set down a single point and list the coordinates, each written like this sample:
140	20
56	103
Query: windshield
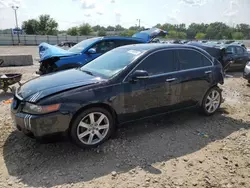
78	48
112	62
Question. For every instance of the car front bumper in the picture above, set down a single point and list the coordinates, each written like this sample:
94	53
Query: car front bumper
41	125
246	73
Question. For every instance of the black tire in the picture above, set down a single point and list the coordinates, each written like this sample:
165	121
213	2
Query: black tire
249	81
204	101
79	118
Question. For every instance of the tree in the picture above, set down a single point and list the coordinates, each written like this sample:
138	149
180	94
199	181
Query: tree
244	29
85	29
128	33
31	27
238	35
200	36
47	25
181	35
119	28
110	28
73	31
102	33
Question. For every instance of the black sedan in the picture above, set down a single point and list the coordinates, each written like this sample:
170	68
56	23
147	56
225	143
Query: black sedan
127	83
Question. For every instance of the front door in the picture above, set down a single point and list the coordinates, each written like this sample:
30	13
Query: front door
155	94
101	47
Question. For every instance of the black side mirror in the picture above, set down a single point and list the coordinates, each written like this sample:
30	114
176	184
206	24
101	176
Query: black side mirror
139	75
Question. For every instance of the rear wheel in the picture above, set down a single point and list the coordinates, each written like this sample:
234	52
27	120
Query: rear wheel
212	101
92	127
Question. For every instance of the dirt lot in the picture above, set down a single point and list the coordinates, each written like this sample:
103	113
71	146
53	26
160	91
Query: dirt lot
184	149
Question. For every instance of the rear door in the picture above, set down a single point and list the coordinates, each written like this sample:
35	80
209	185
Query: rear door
195	75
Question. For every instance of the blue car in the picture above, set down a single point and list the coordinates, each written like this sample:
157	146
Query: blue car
53	58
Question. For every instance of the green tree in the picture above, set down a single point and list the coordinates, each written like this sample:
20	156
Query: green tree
31	27
73	31
181	35
195	28
102	33
47	25
85	29
238	35
110	28
128	33
119	28
244	29
200	36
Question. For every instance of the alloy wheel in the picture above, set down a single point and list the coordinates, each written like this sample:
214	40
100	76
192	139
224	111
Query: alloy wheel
93	128
212	101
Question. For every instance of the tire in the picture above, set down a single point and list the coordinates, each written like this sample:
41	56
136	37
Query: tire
249	81
84	133
215	105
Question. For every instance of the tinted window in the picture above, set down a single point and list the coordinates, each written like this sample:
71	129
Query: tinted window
189	59
112	62
104	46
159	62
231	49
83	45
126	42
206	62
240	50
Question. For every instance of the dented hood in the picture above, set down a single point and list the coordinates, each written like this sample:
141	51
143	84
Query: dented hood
149	34
47	51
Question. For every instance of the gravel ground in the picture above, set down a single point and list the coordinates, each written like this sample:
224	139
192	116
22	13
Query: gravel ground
179	150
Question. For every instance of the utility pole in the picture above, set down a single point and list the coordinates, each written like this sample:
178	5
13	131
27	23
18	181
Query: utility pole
139	20
15	9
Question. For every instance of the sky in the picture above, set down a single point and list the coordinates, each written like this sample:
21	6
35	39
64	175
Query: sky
69	13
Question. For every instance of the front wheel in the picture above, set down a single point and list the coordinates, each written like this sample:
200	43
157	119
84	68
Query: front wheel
92	127
212	101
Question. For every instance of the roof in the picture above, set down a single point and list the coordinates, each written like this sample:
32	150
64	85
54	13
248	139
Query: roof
155	46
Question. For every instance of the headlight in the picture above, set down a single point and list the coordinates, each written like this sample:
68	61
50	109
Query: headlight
36	109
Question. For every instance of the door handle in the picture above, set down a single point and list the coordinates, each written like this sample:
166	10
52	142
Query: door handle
208	72
171	79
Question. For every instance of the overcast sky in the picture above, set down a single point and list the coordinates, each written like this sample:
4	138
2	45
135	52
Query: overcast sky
70	13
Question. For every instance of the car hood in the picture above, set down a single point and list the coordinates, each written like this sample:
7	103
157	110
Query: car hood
149	34
43	86
47	51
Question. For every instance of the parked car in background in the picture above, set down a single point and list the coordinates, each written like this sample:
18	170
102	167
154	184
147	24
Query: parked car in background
53	59
125	84
66	44
239	56
233	57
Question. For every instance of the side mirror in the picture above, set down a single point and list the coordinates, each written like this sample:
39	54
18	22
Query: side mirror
91	51
139	75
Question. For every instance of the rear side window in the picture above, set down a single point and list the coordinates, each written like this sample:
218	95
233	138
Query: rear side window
159	63
240	50
231	49
190	59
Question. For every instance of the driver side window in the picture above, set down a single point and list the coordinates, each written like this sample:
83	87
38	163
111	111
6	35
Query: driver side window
231	49
104	46
159	63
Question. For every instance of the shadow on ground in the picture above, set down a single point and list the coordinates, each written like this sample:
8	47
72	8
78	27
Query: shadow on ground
137	144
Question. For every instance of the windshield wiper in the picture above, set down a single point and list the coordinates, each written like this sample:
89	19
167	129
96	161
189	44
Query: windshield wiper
88	72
